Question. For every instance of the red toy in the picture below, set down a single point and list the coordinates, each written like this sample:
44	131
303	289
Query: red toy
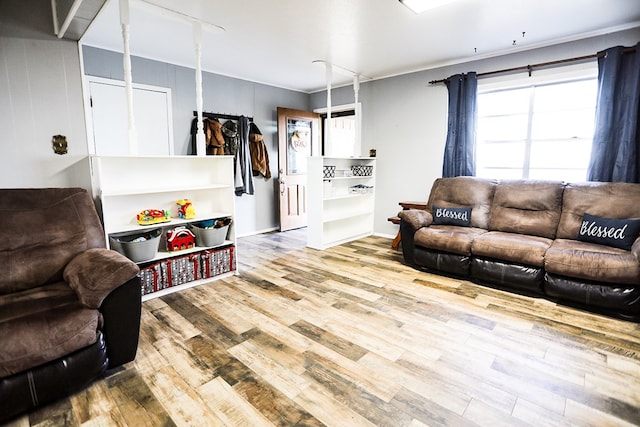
180	238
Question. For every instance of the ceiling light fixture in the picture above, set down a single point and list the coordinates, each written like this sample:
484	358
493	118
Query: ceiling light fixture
419	6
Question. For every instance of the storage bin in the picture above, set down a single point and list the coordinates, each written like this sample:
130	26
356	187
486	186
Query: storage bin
137	251
210	236
328	171
362	170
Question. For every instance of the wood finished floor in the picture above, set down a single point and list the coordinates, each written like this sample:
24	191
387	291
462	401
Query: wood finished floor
352	337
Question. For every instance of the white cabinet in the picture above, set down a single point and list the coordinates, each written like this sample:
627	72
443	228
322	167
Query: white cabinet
341	198
127	185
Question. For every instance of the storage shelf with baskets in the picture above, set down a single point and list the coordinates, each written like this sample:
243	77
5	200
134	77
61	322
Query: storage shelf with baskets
341	199
127	185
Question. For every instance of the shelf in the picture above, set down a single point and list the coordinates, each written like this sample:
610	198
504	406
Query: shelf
175	222
347	158
164	254
139	191
127	185
338	178
347	196
335	213
348	215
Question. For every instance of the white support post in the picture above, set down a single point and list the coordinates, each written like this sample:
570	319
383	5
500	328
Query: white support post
329	76
200	138
128	81
356	97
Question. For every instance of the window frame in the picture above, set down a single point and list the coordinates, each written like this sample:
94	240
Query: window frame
587	70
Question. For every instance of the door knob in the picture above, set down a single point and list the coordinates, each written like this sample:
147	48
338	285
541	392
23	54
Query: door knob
281	181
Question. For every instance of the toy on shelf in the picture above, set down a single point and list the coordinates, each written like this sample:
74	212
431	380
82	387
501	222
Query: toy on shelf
214	223
180	238
153	216
186	209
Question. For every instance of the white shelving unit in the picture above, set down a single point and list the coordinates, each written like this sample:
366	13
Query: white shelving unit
127	185
340	207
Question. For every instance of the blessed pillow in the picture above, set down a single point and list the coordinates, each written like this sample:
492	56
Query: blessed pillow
451	216
618	233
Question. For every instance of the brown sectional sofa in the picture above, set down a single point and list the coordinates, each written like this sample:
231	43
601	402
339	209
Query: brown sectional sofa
69	307
531	236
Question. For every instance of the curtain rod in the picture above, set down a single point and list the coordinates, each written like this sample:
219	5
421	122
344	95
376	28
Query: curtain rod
530	68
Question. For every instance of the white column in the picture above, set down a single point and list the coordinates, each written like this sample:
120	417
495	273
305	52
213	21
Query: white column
128	83
200	138
329	76
356	97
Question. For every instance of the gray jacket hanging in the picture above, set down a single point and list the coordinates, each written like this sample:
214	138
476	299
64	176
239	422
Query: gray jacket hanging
243	170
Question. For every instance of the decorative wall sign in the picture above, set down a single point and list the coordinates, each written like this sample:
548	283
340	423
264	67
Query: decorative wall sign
59	143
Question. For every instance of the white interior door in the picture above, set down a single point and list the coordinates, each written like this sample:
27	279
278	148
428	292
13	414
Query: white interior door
152	115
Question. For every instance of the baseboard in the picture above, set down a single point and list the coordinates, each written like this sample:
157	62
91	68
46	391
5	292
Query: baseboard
387	236
253	233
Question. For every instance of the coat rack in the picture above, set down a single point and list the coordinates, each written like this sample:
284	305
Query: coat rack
220	116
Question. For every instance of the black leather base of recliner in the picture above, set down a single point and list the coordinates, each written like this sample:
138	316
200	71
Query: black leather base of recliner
508	275
27	390
618	300
454	264
614	300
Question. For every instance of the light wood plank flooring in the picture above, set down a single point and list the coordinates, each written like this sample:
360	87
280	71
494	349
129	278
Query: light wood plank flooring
351	336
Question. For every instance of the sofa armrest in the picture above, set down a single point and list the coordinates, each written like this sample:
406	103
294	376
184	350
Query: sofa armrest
416	218
635	249
94	273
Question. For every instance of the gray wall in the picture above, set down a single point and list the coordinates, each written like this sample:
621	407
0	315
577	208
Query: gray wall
255	213
41	96
405	120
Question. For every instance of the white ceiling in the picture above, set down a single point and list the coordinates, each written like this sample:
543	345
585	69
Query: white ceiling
277	41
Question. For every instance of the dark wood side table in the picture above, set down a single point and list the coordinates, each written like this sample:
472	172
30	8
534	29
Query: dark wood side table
396	220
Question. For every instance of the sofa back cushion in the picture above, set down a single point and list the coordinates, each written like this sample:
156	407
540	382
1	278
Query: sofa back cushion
41	231
619	200
464	192
527	207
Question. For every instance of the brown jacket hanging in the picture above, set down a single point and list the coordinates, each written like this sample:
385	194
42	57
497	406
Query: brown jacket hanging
259	153
214	137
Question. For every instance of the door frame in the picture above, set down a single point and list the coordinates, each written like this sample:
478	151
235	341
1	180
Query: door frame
135	86
283	115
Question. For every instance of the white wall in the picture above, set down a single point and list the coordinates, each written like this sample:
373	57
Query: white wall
41	96
405	120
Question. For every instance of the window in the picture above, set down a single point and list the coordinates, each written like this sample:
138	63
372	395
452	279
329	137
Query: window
345	128
540	131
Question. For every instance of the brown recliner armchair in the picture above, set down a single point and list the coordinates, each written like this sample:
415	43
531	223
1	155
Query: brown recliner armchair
69	307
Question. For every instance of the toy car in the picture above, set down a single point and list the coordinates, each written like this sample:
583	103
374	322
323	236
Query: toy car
153	216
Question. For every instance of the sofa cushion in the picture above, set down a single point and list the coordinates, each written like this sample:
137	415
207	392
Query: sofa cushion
517	248
619	233
452	216
590	261
43	324
464	191
447	238
42	229
604	199
527	207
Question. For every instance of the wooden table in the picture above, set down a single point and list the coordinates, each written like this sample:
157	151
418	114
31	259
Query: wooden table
396	220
